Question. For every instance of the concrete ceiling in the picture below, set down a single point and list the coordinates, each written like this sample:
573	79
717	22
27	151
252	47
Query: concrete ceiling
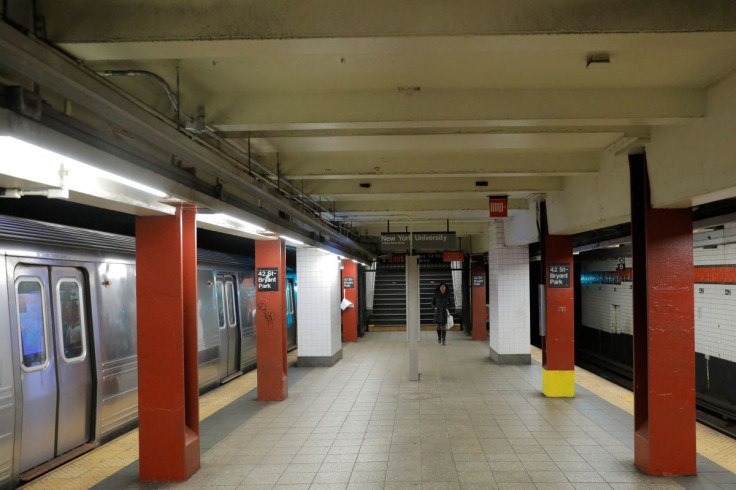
395	112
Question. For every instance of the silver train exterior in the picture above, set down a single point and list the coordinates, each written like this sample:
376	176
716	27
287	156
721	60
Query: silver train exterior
68	364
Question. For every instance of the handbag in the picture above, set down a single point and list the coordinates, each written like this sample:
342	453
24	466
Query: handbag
450	322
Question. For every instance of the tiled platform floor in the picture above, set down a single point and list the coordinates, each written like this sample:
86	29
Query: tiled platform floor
467	424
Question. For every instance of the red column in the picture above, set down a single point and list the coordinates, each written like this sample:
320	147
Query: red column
558	365
166	291
273	383
350	292
480	301
664	333
558	343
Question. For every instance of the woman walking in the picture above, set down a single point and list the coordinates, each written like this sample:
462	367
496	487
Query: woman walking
442	302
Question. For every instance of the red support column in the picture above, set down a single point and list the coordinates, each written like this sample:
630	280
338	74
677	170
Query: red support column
273	383
479	301
350	292
664	332
191	343
168	410
558	345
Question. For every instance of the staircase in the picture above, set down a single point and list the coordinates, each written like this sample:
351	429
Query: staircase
389	298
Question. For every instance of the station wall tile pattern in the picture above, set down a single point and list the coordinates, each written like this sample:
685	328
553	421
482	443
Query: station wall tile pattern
608	307
318	303
508	290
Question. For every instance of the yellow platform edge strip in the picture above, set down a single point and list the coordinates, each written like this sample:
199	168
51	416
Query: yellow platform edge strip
715	446
558	384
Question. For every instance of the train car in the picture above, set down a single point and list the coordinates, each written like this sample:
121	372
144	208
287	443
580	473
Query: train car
68	364
290	309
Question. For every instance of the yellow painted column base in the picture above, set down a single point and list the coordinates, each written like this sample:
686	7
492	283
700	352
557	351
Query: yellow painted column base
558	384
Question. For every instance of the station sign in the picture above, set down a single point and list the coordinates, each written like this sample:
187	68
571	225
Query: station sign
559	275
478	281
421	241
348	282
268	279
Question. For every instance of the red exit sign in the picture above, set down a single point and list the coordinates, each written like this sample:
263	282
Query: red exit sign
498	206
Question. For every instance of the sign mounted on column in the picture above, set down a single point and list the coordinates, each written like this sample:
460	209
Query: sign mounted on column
559	275
268	279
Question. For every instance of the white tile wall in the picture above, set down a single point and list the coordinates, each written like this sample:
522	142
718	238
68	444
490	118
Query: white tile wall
608	307
715	306
715	310
457	283
318	303
508	289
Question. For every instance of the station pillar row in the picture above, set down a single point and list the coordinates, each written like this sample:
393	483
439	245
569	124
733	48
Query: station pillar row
350	293
664	332
168	403
558	341
272	377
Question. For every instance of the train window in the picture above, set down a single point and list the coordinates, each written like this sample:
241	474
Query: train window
220	303
31	305
289	299
230	295
71	320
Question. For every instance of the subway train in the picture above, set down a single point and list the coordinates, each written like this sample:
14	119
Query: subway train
68	366
604	319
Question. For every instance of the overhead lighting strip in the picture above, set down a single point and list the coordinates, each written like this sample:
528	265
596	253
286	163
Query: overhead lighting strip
30	162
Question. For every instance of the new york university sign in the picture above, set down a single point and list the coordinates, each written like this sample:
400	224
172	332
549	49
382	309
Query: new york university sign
396	242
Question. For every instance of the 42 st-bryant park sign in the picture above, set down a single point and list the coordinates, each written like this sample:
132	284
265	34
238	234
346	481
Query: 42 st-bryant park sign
396	242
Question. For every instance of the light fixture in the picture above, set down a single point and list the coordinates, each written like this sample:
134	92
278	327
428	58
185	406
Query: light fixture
292	240
30	162
53	193
229	222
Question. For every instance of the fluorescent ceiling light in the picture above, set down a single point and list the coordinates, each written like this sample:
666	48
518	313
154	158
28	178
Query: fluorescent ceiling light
129	183
226	221
292	240
30	162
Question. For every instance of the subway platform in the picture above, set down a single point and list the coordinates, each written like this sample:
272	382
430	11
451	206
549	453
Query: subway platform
467	424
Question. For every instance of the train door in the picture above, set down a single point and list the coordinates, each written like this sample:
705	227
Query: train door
290	314
229	325
56	372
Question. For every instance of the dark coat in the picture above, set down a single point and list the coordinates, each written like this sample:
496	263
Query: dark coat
442	303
